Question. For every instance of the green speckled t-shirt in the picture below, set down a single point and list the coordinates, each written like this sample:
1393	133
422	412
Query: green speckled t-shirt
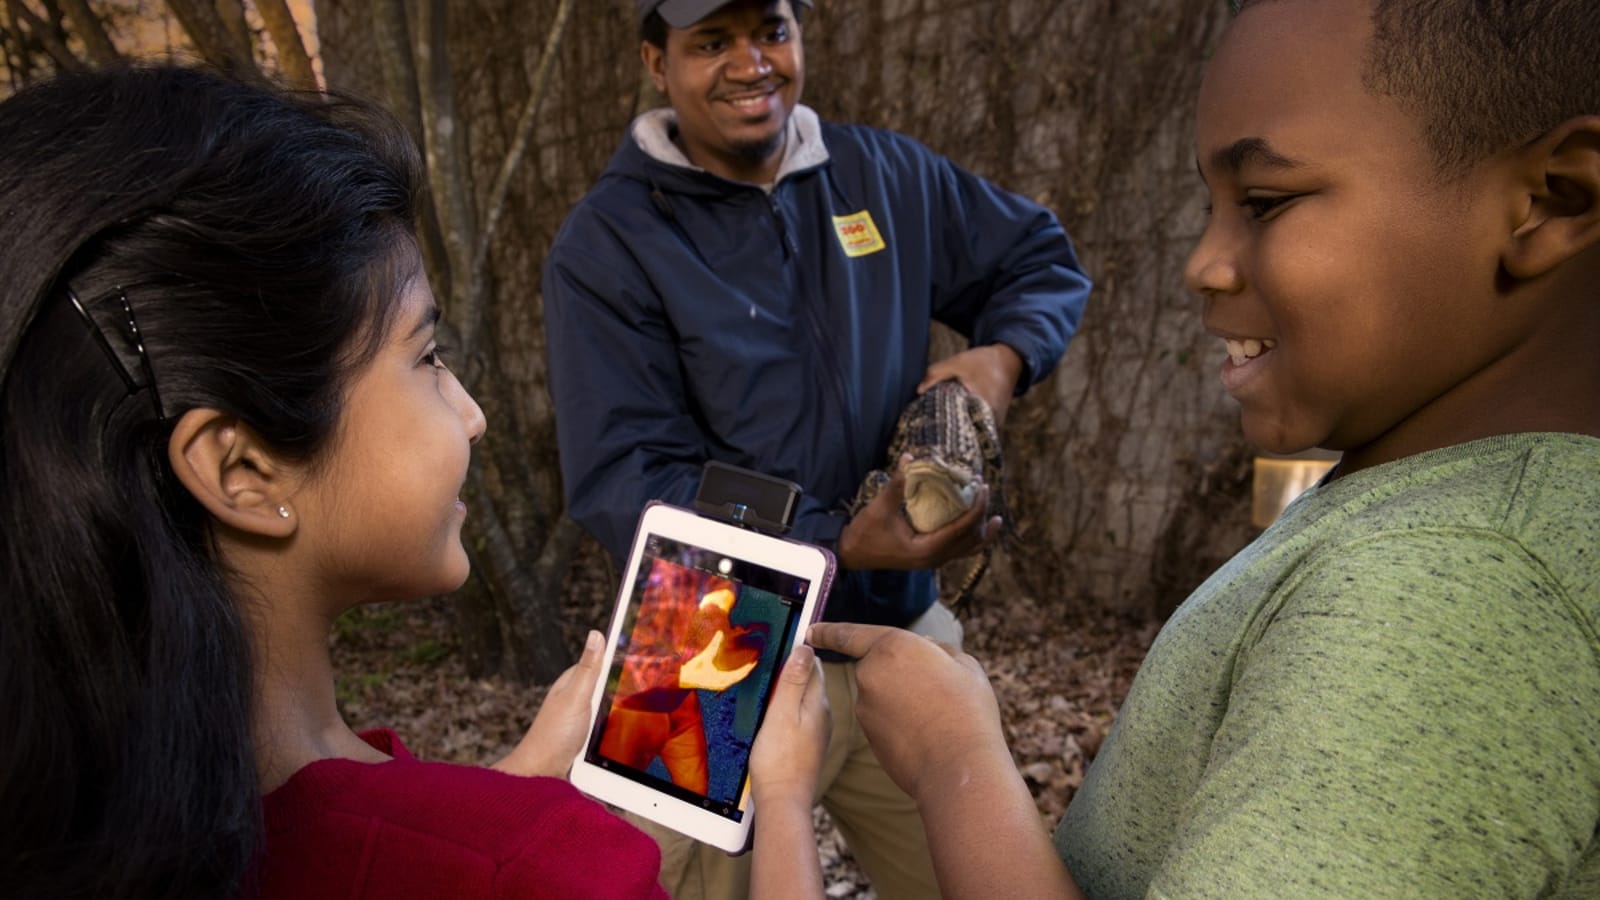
1393	692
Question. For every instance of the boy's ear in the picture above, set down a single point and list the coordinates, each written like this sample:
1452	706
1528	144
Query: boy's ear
228	468
1562	215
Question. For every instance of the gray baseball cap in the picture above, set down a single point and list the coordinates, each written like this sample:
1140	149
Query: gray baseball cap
683	13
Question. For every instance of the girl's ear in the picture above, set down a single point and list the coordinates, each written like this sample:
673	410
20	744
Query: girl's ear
1562	214
228	468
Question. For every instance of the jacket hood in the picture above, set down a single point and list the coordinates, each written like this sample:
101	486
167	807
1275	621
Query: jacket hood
649	154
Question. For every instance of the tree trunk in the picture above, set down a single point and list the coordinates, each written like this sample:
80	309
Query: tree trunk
293	61
88	28
210	35
477	95
46	36
230	13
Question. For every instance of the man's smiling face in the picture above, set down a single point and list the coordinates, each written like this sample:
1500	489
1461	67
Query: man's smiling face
732	79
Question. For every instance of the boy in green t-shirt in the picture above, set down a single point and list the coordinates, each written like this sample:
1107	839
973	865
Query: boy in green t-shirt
1394	691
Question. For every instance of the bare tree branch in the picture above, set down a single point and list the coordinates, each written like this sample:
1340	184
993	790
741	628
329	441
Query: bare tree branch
293	60
18	60
53	17
392	35
89	28
519	561
231	14
444	143
418	80
393	38
472	316
7	60
42	32
204	26
495	561
531	652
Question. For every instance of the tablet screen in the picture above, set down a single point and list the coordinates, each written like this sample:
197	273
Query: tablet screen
703	634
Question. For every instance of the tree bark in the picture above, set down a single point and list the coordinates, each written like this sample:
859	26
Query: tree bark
230	13
520	543
92	32
209	34
46	36
444	143
293	61
390	34
472	316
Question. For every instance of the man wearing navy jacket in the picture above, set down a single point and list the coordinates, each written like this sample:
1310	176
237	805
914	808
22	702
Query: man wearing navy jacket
750	284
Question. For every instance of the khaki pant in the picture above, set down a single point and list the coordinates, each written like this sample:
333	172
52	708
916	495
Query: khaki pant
877	820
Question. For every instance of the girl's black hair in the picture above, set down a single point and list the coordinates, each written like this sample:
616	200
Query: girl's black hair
259	238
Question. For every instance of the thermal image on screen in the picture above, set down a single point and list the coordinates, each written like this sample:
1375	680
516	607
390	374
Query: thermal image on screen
702	638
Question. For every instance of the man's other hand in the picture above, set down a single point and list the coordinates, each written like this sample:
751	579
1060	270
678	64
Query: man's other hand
880	537
990	371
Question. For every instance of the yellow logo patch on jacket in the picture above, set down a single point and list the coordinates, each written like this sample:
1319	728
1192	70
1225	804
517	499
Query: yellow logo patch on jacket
858	235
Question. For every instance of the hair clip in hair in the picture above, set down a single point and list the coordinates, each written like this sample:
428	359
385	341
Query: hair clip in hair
144	356
135	336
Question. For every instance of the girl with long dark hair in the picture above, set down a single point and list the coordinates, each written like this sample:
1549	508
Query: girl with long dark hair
225	421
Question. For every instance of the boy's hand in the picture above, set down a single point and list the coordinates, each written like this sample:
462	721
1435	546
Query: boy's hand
788	752
927	710
990	371
880	537
562	724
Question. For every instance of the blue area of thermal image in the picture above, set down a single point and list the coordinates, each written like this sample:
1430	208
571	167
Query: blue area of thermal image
730	716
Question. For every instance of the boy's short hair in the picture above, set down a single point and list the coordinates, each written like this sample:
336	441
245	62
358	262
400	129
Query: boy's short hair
1484	75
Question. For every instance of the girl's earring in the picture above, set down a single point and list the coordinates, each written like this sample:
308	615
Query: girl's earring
283	512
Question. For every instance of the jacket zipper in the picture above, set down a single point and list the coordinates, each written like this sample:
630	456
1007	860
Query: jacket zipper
832	370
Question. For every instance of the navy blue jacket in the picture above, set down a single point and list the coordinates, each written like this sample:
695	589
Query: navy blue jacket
693	318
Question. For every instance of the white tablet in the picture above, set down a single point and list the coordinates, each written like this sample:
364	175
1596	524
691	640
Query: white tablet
706	615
